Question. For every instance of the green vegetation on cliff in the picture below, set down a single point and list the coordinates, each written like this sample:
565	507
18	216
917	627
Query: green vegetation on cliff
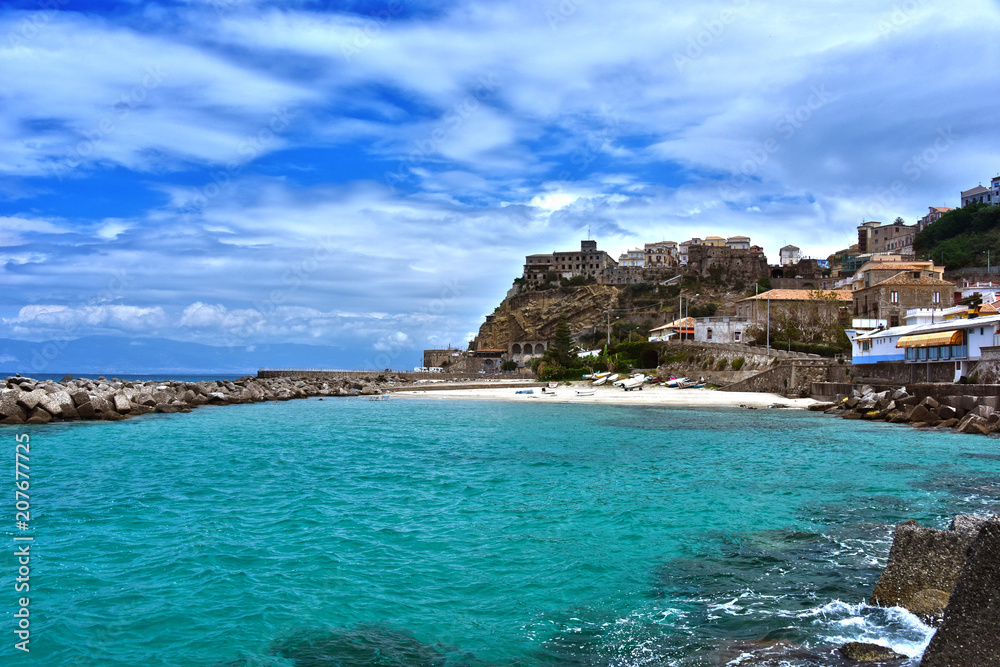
962	237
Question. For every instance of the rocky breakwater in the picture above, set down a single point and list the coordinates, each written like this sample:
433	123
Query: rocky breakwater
28	401
968	414
950	580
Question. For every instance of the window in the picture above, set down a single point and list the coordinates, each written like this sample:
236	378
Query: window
937	297
737	335
708	333
894	296
866	345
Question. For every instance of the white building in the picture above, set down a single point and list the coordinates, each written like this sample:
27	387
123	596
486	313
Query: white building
981	195
635	258
958	342
720	329
738	242
788	255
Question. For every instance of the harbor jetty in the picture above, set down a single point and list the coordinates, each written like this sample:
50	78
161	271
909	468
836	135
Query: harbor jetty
28	401
965	412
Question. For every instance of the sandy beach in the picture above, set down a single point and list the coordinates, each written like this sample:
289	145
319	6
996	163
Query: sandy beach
649	395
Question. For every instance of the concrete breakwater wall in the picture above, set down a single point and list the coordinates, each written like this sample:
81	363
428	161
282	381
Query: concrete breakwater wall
28	401
792	377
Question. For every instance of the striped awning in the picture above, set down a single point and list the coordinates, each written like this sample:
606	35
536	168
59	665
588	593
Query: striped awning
931	339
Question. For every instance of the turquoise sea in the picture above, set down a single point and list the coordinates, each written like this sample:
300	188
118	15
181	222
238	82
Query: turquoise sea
428	532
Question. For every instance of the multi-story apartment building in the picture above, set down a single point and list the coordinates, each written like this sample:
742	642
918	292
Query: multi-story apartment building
934	213
682	249
865	235
635	257
738	242
662	254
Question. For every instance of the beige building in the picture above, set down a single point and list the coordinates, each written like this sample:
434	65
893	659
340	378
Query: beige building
661	255
879	269
808	306
635	257
889	299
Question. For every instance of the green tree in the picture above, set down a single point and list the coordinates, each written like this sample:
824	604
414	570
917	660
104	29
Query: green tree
562	344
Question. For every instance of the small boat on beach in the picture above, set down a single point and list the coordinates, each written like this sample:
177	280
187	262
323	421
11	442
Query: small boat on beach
553	385
634	382
586	392
599	381
525	391
676	382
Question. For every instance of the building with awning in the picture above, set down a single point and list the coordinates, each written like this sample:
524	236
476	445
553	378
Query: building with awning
682	329
937	339
957	342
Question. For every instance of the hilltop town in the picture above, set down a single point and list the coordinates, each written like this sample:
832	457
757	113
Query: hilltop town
868	304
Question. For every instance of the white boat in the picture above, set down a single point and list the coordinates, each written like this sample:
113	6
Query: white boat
553	385
586	392
634	382
676	382
614	378
599	381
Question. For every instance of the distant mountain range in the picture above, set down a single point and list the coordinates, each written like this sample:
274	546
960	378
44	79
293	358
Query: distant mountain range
107	355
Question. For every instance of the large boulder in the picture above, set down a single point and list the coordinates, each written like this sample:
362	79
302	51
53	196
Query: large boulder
29	399
38	416
121	403
86	410
863	652
924	564
8	402
918	413
969	636
58	404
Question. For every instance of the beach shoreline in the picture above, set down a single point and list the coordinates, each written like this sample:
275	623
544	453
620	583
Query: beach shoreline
648	395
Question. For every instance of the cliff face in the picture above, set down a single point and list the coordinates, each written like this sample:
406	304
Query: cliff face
533	316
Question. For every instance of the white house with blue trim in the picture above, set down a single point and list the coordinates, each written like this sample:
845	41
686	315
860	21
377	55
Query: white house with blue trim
955	341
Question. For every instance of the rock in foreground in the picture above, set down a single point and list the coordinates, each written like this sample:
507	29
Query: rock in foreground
863	652
969	636
924	564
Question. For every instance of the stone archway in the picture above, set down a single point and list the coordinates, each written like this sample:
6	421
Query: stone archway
515	349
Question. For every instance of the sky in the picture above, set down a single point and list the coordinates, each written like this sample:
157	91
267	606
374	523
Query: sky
370	175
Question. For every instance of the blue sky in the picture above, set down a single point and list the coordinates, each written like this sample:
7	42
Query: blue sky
371	174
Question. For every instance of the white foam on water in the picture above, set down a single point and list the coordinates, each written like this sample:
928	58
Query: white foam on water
892	627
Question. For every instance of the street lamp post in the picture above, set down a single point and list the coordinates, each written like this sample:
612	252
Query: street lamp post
768	324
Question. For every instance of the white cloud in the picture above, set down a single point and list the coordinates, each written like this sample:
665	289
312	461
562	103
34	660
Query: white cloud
47	320
394	341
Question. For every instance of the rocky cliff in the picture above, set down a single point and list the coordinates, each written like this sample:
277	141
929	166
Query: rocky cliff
532	316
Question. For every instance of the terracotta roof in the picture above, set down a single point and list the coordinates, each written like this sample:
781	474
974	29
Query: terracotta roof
683	323
904	278
801	295
988	309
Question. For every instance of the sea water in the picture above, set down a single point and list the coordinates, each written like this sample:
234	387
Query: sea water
430	532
